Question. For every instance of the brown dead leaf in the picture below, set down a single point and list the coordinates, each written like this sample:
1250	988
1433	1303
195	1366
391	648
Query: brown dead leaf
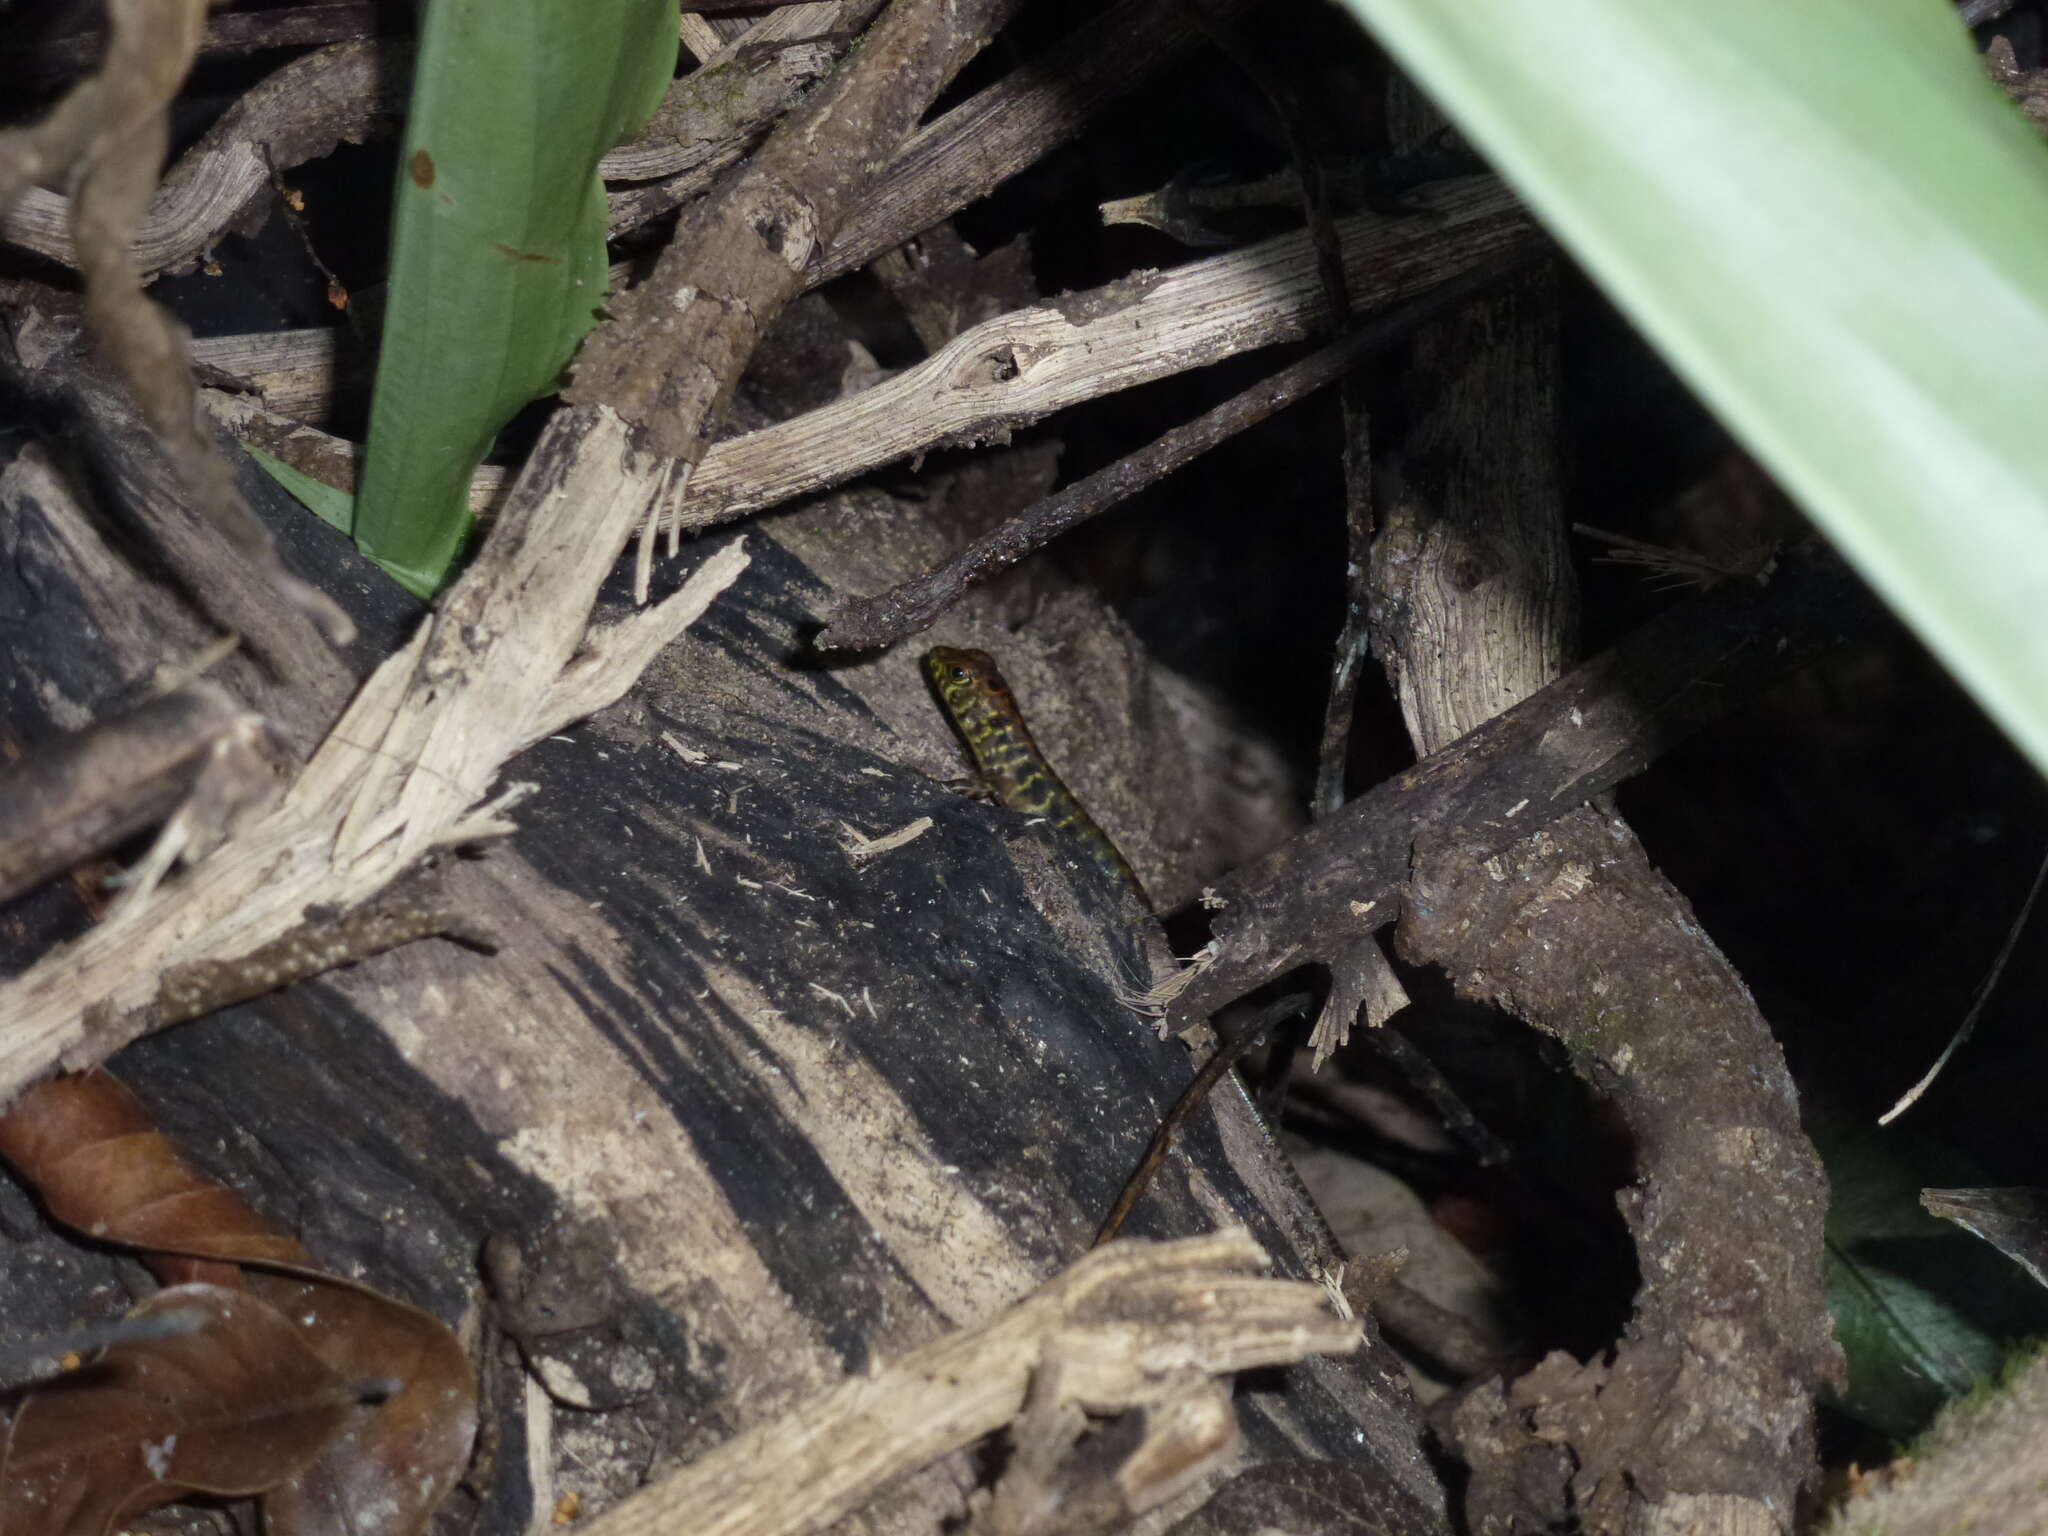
102	1167
236	1407
393	1463
91	1151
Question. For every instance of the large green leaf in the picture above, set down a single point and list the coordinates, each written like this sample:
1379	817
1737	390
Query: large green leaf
1836	230
498	259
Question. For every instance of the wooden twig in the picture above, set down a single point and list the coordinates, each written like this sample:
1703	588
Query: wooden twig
1976	1011
1354	632
1226	1055
298	113
1126	1324
912	605
1592	728
1010	371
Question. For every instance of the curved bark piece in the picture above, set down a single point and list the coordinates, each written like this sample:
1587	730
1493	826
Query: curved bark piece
1703	1417
1709	1394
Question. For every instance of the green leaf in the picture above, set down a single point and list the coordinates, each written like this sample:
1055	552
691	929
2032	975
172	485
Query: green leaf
1834	228
336	508
1923	1312
498	260
333	506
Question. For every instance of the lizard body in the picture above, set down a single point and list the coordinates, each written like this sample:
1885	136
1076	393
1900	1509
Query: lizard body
985	715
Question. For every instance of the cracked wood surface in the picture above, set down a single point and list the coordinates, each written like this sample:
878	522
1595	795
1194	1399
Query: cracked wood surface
812	1104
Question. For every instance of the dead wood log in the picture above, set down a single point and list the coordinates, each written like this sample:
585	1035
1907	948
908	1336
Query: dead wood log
769	1106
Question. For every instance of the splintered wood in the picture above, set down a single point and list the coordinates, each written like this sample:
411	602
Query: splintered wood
1133	1325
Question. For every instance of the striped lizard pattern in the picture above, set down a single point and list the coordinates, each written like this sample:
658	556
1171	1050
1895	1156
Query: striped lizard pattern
985	715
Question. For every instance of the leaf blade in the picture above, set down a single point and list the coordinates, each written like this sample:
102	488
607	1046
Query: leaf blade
1827	220
498	260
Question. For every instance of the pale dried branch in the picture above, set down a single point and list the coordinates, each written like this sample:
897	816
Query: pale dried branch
867	623
419	746
1126	1326
1010	371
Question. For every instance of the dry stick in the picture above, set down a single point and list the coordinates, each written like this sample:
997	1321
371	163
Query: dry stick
1353	633
1126	1326
871	622
1969	1024
295	114
1583	734
993	135
1221	1060
1359	972
1019	367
